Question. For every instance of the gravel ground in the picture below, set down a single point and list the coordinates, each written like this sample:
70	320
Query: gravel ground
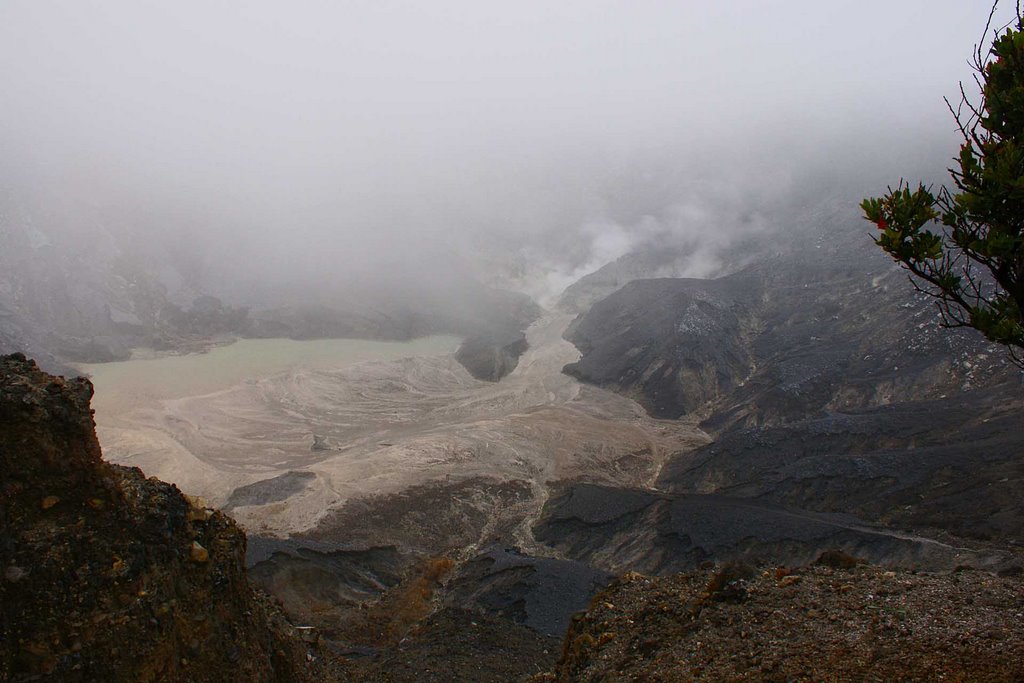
818	623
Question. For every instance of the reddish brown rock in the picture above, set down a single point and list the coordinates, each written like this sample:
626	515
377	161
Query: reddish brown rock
99	582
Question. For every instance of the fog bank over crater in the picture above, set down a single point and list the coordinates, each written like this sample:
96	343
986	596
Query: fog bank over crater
382	146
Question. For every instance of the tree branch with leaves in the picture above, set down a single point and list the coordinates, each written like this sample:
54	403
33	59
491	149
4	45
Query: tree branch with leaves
964	247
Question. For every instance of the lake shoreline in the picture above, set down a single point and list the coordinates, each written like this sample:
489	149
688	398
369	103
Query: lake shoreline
151	375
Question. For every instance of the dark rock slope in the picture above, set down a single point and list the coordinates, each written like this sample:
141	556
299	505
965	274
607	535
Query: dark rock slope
673	344
843	416
539	593
492	349
948	466
819	321
107	575
622	530
490	358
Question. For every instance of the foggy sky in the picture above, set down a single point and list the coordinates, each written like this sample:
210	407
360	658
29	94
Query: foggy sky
312	139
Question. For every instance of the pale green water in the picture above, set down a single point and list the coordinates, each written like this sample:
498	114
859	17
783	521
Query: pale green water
123	385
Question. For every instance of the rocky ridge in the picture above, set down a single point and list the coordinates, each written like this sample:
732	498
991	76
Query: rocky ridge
108	575
837	620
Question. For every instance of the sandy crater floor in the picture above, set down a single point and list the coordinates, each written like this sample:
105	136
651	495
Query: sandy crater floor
391	425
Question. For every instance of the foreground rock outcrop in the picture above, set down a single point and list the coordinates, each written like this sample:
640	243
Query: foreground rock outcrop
107	575
836	621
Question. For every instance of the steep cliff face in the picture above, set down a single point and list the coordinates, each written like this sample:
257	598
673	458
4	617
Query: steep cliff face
107	575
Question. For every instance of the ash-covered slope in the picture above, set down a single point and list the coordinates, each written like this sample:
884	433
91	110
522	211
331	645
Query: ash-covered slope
622	530
944	466
830	389
820	320
672	344
108	575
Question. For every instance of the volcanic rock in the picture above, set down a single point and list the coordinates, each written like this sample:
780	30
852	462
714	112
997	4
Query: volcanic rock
111	592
